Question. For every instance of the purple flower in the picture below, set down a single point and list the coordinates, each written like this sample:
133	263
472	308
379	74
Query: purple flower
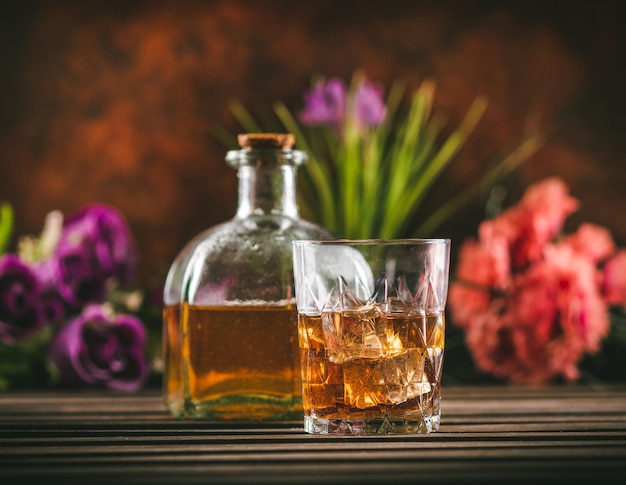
98	348
53	306
104	231
325	104
21	310
75	273
370	106
95	247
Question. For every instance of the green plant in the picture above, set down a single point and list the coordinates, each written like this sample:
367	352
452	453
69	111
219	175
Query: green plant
372	163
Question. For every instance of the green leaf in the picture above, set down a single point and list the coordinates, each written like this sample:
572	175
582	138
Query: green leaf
244	117
224	136
24	364
320	176
511	162
433	167
6	225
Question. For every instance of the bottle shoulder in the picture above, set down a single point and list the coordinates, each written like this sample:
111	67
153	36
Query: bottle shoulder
176	272
260	227
246	259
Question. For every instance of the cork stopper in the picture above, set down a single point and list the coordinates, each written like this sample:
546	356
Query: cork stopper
266	141
267	150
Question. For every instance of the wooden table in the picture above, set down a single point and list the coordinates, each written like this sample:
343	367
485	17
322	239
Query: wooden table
567	434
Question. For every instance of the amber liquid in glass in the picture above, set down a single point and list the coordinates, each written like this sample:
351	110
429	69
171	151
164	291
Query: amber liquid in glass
242	362
364	365
172	381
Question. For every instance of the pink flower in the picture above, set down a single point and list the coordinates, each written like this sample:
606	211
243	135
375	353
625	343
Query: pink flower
496	343
534	222
554	314
483	269
532	305
593	241
614	279
561	303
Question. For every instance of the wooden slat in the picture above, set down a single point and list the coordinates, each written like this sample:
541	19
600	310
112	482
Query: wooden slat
488	435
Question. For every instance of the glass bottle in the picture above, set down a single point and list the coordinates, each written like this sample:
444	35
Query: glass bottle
239	352
172	334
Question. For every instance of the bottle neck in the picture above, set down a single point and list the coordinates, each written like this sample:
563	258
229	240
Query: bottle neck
267	191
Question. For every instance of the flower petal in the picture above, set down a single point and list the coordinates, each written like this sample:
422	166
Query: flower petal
20	311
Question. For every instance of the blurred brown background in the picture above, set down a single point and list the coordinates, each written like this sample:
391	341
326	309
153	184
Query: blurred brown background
113	101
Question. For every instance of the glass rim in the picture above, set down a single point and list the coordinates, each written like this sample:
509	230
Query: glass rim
371	242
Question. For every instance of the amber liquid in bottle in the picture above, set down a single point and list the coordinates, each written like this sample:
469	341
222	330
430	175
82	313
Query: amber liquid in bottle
242	361
172	382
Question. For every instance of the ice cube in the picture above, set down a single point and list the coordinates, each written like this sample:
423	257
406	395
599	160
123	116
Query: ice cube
322	382
354	334
387	381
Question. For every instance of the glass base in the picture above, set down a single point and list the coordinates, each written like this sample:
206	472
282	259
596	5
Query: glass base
175	407
422	425
244	407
